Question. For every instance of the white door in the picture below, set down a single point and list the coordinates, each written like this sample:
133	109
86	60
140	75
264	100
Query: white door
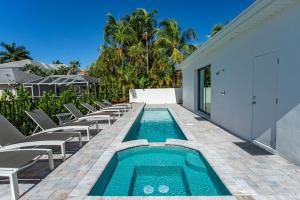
265	100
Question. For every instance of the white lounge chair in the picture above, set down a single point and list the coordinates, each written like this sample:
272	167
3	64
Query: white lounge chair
104	106
12	161
93	110
46	124
129	105
12	138
79	116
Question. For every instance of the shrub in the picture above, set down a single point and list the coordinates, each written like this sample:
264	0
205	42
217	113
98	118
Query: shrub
14	107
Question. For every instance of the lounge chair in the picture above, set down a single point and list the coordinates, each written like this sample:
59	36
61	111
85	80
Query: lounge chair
104	106
12	138
44	122
15	160
93	110
129	105
79	116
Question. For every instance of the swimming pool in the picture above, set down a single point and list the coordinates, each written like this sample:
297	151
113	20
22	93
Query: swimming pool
155	125
158	171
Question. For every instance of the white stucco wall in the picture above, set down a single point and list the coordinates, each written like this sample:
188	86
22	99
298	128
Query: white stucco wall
4	87
233	111
156	96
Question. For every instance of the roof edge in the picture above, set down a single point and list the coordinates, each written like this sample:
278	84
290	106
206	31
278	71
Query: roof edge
238	21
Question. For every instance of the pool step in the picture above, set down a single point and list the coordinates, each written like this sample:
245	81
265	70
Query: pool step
157	144
194	162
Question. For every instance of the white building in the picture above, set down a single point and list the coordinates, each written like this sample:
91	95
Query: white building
57	84
12	77
22	63
246	78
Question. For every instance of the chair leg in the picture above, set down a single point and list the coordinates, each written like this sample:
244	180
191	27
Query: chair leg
50	159
88	133
80	140
13	179
63	151
97	126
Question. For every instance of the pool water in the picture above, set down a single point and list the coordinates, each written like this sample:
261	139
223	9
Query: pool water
155	125
158	171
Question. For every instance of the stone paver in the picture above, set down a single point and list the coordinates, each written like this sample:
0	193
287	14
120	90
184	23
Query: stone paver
39	184
249	172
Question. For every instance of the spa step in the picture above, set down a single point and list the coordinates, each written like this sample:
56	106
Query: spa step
194	162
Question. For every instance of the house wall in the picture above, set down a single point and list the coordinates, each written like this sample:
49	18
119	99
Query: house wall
6	87
156	95
234	59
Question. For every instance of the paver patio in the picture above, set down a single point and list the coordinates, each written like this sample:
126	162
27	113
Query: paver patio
248	171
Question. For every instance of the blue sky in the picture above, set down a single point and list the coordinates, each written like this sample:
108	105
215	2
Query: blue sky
72	29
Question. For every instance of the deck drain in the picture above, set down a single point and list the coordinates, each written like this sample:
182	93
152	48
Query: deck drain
148	189
163	189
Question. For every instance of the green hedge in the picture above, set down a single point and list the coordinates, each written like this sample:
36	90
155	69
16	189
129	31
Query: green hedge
13	107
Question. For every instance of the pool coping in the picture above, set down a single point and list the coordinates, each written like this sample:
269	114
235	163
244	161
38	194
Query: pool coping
86	184
248	173
83	188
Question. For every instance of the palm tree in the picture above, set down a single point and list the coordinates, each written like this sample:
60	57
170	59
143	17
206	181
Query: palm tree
131	33
117	33
144	25
74	67
176	41
56	62
143	22
12	53
32	69
177	46
118	36
62	70
216	29
138	52
126	79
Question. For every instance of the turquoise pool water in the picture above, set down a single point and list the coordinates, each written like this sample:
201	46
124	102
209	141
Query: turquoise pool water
155	125
158	171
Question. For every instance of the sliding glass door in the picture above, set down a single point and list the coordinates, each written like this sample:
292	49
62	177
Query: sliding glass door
204	89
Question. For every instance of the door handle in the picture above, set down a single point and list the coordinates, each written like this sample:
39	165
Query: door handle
253	102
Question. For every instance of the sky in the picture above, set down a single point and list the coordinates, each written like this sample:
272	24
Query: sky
73	29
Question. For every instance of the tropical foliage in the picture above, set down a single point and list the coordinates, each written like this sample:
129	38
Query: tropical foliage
32	69
140	51
72	68
13	107
12	52
217	28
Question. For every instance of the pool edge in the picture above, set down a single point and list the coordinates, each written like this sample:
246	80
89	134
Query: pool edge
117	145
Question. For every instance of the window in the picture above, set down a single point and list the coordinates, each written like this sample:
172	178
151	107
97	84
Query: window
204	89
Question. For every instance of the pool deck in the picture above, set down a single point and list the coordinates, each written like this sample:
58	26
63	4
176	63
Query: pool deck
248	171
